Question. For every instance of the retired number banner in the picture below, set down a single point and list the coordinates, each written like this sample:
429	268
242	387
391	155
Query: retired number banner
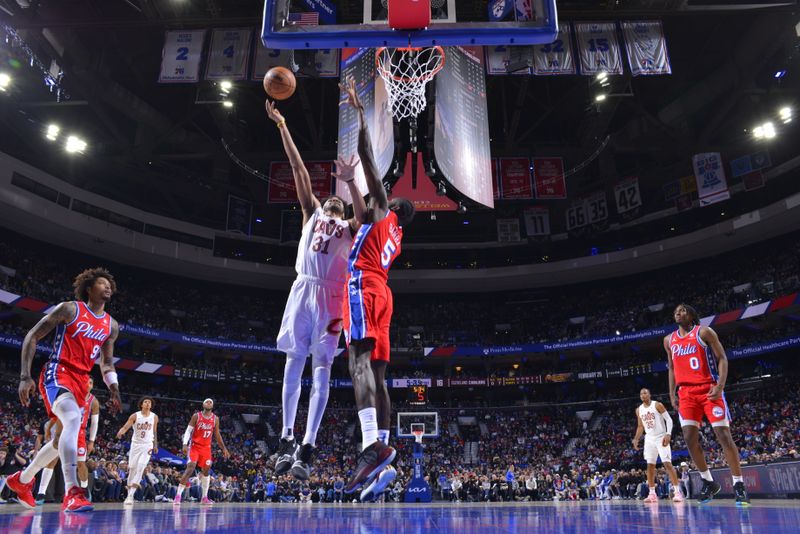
626	193
515	178
180	58
712	186
281	180
598	48
548	178
646	47
555	58
228	54
537	220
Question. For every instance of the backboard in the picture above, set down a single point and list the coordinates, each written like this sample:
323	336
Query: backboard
324	24
407	422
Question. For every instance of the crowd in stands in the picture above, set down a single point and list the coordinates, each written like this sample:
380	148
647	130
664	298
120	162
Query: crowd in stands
522	453
726	282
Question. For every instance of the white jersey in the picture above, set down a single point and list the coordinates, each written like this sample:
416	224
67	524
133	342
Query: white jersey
143	429
324	247
652	421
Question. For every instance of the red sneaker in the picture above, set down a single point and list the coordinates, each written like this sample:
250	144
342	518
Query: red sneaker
75	501
24	491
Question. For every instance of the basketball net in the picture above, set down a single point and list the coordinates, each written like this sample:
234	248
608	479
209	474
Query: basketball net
418	435
406	72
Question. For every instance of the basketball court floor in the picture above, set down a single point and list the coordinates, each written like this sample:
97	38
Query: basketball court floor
767	516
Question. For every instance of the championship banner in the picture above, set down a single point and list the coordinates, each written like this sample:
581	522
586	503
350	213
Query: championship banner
626	194
537	221
515	178
498	57
281	180
180	58
228	54
326	62
598	48
555	58
548	178
646	47
712	187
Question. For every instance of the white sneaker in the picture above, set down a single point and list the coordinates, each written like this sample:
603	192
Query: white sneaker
128	501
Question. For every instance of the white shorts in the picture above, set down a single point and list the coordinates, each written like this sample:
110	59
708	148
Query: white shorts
138	458
312	320
653	450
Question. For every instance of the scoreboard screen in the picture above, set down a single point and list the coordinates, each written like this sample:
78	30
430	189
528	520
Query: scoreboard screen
418	395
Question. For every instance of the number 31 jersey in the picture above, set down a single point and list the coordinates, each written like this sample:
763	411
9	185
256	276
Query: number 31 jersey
693	361
323	249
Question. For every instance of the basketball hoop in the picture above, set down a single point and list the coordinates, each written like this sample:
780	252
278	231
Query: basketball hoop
406	72
418	435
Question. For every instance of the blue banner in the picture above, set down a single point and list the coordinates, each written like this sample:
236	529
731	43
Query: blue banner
222	344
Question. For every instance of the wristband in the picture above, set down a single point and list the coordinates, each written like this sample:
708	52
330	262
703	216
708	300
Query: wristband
281	123
110	379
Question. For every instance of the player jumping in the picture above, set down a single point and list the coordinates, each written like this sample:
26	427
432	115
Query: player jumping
698	368
368	315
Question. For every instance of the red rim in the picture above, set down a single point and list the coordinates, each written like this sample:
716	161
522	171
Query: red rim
406	79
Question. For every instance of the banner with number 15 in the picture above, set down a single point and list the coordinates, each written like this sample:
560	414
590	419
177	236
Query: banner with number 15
180	59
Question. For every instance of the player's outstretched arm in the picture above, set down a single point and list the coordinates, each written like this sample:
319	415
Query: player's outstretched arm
660	408
346	172
62	314
302	180
712	340
639	431
378	201
107	367
218	437
127	426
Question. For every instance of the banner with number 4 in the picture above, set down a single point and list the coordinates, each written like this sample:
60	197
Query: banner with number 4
626	193
228	54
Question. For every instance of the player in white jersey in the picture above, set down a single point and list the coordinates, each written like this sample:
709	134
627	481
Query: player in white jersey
144	442
654	420
312	320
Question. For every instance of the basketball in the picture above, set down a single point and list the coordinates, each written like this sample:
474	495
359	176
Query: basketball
279	83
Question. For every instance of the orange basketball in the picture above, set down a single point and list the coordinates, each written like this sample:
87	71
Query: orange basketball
279	83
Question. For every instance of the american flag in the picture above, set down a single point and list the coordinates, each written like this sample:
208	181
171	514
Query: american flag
304	19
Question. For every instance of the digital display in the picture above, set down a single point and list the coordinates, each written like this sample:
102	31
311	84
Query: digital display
418	395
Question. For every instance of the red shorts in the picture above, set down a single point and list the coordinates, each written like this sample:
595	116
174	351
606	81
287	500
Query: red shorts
368	313
55	377
693	404
201	456
82	445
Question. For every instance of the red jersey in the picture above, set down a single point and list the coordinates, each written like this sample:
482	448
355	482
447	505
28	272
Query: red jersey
693	361
375	248
203	430
77	344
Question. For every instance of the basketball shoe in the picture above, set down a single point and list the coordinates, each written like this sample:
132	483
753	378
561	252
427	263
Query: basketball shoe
371	461
24	491
741	494
379	484
287	451
301	469
75	501
678	497
652	497
206	501
710	488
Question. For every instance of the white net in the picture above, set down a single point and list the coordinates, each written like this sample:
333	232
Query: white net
406	72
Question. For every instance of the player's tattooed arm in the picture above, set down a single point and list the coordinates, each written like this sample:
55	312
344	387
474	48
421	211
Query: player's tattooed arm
672	396
107	366
62	314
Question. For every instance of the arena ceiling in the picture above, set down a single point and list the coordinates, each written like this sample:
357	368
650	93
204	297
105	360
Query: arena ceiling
154	147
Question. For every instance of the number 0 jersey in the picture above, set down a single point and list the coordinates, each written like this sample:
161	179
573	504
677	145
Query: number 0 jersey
323	248
693	361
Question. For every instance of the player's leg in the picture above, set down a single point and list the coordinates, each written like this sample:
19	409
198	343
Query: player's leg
725	439
205	481
69	415
673	477
360	368
187	474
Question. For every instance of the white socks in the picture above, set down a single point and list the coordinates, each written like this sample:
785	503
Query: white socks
706	475
46	454
318	400
84	483
204	482
292	374
737	479
369	427
383	435
70	416
181	487
47	474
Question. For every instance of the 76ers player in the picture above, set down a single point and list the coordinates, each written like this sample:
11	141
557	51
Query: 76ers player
654	420
143	443
84	332
197	448
368	315
312	320
699	368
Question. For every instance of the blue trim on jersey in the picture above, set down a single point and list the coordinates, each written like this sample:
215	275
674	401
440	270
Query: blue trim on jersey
712	364
355	299
51	385
727	410
58	342
358	242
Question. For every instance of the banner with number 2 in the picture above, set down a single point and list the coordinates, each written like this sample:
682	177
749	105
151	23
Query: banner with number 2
180	59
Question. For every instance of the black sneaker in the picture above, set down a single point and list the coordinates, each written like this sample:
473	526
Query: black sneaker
301	468
371	461
741	494
286	455
710	488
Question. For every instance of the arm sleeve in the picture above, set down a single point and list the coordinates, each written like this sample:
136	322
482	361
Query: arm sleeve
93	426
667	421
188	434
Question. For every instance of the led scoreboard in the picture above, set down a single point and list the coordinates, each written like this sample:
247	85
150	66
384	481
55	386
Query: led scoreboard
418	395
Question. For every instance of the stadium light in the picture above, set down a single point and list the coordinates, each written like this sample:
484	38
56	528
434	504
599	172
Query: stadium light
226	86
602	77
75	144
227	103
5	81
52	132
600	97
780	74
764	131
786	114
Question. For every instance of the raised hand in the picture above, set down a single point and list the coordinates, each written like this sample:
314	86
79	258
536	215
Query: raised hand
346	170
273	113
349	88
